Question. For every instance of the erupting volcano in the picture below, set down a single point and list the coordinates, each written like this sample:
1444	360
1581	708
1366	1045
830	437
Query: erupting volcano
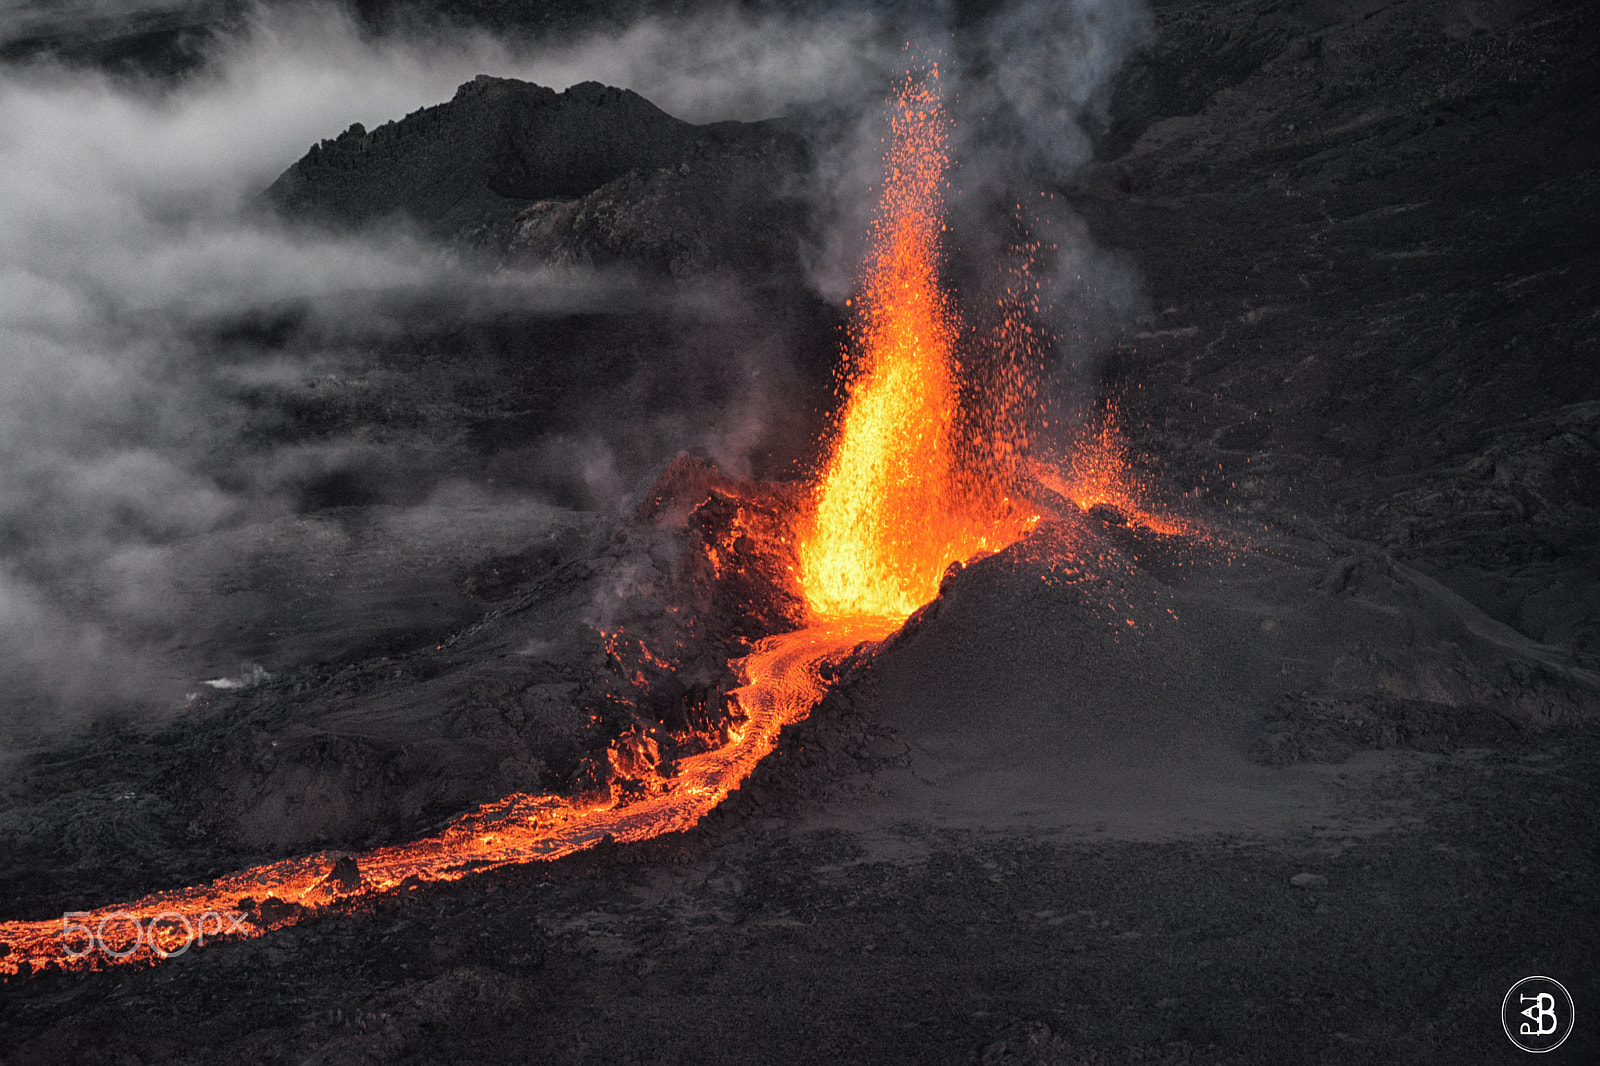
473	587
904	493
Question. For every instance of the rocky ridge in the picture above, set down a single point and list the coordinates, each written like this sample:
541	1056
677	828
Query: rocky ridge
589	176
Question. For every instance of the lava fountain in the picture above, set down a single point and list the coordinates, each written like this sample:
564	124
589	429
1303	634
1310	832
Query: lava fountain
893	507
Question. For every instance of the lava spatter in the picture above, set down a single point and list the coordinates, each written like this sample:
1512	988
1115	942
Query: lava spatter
895	505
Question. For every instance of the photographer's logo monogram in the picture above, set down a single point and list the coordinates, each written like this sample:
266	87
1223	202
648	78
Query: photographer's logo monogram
1543	1012
1537	1014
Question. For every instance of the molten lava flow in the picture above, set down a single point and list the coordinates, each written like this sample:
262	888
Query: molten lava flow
780	685
895	507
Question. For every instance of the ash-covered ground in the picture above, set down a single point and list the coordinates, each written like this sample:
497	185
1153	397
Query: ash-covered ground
1311	782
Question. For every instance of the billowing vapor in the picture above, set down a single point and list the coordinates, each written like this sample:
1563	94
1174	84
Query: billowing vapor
138	278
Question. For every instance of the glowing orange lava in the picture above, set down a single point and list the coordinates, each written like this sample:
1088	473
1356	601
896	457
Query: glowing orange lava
895	506
1098	474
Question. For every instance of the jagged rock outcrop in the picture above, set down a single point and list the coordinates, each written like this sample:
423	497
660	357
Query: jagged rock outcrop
590	175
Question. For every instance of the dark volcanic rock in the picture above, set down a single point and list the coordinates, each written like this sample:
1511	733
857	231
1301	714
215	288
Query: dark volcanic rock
498	139
717	209
1366	234
592	174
